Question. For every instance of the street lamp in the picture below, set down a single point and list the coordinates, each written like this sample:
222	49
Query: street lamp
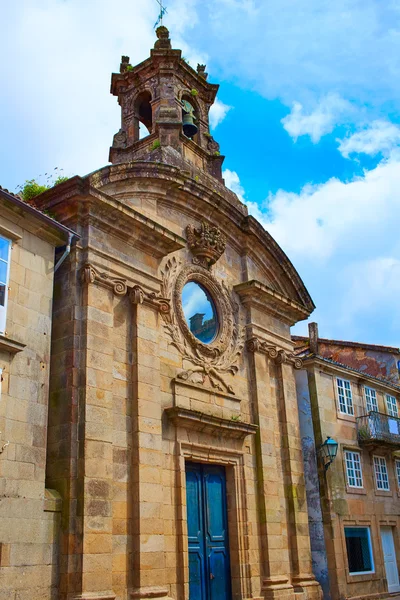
328	451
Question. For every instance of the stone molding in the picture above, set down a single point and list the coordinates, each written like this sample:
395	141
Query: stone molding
278	355
120	287
199	421
207	244
9	345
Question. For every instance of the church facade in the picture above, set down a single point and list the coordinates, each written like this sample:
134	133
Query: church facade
173	436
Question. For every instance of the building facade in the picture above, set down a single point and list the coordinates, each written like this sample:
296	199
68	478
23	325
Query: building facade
173	436
29	513
350	392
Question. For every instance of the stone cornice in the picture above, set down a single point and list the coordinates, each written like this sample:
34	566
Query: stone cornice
278	355
193	419
256	294
120	287
77	202
9	345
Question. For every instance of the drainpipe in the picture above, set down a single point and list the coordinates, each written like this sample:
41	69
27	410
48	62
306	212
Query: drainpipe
66	252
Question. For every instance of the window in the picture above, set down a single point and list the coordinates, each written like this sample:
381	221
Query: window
345	398
398	472
5	246
391	404
381	473
370	399
359	550
353	469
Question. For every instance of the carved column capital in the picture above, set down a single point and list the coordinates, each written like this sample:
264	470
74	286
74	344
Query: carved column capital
138	295
278	355
90	275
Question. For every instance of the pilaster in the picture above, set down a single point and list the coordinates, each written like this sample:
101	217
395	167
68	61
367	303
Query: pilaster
292	572
149	577
96	440
275	559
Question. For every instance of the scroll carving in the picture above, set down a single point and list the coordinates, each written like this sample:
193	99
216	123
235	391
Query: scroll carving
278	355
120	287
137	295
207	244
211	361
89	275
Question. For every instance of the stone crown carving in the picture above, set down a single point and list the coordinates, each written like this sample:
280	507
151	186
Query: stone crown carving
207	244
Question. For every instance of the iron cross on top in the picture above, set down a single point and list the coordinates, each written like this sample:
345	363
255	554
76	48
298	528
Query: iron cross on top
163	10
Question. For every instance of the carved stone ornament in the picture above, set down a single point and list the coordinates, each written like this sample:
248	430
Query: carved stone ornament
119	140
210	361
207	244
212	145
89	275
278	355
120	287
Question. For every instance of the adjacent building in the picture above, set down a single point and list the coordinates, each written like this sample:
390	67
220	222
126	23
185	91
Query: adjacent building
350	392
29	513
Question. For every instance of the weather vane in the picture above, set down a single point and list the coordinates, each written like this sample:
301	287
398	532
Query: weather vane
163	11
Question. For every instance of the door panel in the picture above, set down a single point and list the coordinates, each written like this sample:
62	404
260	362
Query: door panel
209	568
195	535
389	555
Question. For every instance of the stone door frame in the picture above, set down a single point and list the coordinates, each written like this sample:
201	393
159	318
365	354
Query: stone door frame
233	461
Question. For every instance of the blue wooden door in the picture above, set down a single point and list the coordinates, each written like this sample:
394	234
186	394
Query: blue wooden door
209	572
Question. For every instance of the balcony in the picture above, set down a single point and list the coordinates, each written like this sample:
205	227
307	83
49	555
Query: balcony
376	429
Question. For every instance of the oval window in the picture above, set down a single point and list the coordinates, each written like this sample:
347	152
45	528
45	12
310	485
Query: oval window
199	311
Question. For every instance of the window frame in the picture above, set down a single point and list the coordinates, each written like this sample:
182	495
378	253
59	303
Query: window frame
378	458
388	404
345	398
354	467
3	309
371	550
368	400
397	471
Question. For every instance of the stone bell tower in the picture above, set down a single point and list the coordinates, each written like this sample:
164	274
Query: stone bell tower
172	101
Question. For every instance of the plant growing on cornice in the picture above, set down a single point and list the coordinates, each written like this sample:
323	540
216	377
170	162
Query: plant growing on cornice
156	144
235	417
217	153
185	60
194	92
32	188
128	68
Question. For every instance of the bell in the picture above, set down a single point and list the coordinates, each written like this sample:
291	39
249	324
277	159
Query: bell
189	128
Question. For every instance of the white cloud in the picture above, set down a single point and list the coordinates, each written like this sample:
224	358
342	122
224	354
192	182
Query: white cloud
232	181
379	136
218	112
322	120
343	239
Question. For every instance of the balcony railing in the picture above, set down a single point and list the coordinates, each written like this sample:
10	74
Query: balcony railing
378	428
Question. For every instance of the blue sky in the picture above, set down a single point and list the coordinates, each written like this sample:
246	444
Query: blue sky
308	117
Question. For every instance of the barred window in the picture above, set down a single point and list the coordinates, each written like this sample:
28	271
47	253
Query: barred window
359	550
370	399
353	469
381	473
345	397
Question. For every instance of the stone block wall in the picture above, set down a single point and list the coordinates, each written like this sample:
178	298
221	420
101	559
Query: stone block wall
29	514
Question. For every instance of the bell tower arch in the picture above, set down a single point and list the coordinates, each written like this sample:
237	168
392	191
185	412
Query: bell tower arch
172	100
